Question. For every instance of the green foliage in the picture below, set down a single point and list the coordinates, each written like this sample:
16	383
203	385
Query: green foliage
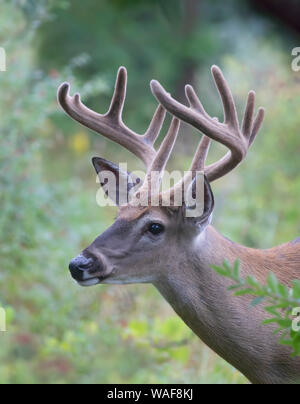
168	338
148	37
278	299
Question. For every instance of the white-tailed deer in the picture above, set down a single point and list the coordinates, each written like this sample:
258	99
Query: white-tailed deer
162	246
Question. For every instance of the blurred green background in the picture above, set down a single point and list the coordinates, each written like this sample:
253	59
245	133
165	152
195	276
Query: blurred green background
58	332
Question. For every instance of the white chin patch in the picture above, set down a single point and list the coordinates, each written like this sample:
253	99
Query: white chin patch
89	282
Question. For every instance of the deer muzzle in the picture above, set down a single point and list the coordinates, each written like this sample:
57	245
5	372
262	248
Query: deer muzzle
86	271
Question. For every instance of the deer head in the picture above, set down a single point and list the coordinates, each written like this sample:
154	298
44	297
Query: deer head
147	243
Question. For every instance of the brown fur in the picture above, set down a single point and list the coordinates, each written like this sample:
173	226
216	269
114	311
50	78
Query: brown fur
131	213
227	324
180	266
283	261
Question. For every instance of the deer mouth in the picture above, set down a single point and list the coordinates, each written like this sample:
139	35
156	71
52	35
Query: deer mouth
92	281
89	282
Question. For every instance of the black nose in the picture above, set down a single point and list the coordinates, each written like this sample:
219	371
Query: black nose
78	266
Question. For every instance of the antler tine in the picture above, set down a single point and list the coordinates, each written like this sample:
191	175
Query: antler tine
194	101
230	113
155	126
201	121
165	150
110	124
238	140
198	163
250	128
159	163
248	115
258	121
118	98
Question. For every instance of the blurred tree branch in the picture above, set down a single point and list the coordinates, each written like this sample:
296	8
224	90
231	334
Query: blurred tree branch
188	64
286	11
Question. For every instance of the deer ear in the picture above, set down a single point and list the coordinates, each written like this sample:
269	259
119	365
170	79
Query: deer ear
207	203
116	183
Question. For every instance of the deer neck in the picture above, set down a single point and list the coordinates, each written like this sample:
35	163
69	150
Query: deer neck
201	298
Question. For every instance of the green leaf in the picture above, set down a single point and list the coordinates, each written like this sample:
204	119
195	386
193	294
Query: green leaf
272	310
228	267
220	271
138	328
244	292
283	291
283	305
270	321
234	287
173	328
284	323
296	289
251	280
180	354
257	301
236	269
272	283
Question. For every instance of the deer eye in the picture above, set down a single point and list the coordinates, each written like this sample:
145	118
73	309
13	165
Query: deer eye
156	228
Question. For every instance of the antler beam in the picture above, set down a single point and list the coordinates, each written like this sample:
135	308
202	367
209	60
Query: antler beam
229	133
111	124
